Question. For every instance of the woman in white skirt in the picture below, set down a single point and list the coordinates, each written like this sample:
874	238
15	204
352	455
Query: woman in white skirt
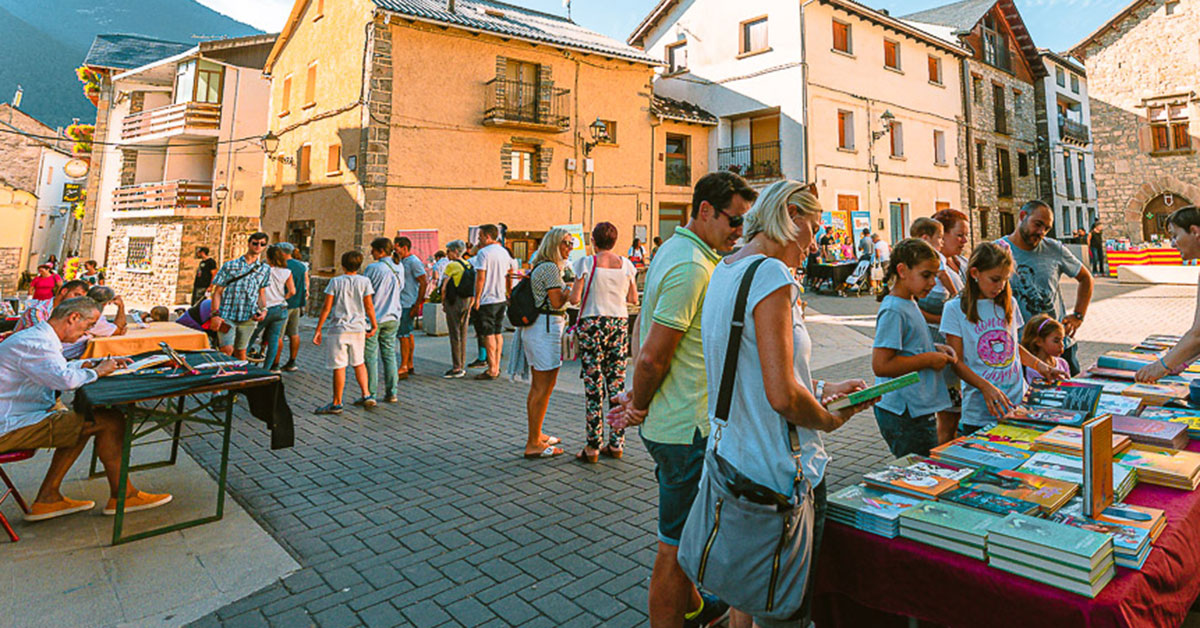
541	341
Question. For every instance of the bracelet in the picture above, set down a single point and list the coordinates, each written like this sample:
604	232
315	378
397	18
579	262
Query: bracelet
1164	364
820	386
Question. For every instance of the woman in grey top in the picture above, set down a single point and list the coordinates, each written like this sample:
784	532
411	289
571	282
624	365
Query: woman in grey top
541	341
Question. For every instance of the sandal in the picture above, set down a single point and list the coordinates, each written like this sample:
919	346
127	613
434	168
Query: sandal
548	452
584	456
552	440
609	451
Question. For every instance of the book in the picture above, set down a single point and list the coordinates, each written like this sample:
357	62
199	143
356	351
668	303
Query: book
1068	395
1118	403
1070	469
144	363
918	480
870	509
1008	434
989	502
1165	467
1112	373
1002	551
1152	520
1049	494
1124	360
1190	418
1086	589
874	392
1133	528
952	521
1157	394
1110	386
935	540
1082	549
1069	440
1097	465
979	452
1025	415
1151	432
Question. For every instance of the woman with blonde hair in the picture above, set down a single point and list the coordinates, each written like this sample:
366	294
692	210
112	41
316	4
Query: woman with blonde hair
767	415
540	344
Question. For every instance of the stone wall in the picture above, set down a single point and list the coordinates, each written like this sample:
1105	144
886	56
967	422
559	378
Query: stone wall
375	146
198	232
10	269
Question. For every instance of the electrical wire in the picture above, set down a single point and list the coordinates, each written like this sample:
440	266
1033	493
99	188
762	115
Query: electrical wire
252	138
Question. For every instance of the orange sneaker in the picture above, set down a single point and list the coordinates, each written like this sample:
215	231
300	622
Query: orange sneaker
138	501
39	511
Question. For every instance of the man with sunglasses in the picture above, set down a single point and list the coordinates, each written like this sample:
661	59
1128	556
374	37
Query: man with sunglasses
238	297
669	397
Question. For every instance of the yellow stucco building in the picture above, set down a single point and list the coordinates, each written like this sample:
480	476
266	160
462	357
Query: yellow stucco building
17	208
392	119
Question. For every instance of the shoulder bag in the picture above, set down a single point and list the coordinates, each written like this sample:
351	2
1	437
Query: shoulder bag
744	542
570	337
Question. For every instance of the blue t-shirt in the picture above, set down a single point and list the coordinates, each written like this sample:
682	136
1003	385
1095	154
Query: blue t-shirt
413	268
299	275
990	351
388	280
1035	277
900	326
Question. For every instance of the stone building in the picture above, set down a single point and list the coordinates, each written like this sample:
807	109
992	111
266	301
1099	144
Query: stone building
1143	70
1066	165
998	138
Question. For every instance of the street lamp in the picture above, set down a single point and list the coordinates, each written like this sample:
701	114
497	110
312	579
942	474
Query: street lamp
886	119
270	142
599	133
221	193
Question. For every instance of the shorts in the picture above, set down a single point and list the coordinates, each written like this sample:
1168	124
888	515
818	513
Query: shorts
906	434
406	323
489	321
542	342
344	348
678	469
60	428
293	321
239	334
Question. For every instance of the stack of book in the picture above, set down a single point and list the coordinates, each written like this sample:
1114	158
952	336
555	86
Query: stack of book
978	451
1134	528
1070	469
917	477
1165	467
1111	387
1190	418
1047	494
1011	435
1056	403
1117	403
1069	440
1151	432
870	509
989	502
1133	360
1157	394
1112	373
949	527
1062	556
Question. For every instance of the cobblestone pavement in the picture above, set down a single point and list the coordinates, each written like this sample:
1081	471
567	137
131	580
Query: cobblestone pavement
425	514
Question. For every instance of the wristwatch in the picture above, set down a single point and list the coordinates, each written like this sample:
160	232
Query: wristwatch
1076	314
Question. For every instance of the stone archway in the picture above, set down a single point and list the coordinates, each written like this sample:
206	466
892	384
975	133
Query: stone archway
1154	215
1135	209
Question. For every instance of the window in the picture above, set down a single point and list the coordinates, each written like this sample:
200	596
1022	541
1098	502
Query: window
333	164
285	100
1083	179
523	166
977	89
841	37
980	148
677	57
1070	177
302	164
1169	128
754	35
1060	76
1075	83
139	254
891	54
610	132
1172	7
995	45
679	170
1066	222
846	130
935	69
328	253
1004	188
1016	102
983	223
208	82
1022	164
998	109
897	135
939	147
310	85
1008	222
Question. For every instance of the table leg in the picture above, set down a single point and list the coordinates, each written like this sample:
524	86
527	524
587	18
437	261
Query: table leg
123	482
229	401
178	430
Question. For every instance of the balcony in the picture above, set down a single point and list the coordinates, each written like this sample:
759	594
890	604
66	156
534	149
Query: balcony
164	198
523	105
1073	131
189	118
752	161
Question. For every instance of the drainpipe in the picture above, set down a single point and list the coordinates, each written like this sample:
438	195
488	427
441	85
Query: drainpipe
450	6
804	86
650	225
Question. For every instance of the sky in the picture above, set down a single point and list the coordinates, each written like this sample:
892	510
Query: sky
1054	24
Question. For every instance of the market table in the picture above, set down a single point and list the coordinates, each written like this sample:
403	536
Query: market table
155	402
867	580
1142	257
836	273
142	339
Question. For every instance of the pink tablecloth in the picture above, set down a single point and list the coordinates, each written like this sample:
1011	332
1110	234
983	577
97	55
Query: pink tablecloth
867	580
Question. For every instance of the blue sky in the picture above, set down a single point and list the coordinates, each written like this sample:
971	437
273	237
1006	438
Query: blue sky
1054	24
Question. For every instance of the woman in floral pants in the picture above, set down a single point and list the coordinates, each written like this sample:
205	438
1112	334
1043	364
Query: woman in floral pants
604	288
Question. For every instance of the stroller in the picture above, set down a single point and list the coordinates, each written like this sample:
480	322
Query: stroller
859	281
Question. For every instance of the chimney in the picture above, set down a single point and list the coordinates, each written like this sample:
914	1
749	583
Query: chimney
450	6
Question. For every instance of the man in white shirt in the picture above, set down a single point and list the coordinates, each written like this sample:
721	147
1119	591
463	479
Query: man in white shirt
491	269
32	368
883	250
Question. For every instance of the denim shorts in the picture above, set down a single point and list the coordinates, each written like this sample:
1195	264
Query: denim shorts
906	434
239	334
678	469
406	323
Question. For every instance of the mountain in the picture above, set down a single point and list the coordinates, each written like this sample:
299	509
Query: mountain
45	40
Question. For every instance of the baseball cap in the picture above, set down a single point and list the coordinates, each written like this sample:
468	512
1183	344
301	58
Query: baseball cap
286	247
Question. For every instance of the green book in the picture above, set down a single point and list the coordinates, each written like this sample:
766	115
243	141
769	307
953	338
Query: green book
941	542
1037	562
1055	541
962	524
875	392
1082	588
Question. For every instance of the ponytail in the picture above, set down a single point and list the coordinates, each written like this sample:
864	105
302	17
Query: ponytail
910	252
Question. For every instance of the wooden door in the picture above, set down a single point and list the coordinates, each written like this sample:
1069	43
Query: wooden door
843	218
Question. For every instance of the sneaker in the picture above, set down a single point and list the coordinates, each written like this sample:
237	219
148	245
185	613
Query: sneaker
358	402
477	364
277	371
41	512
369	402
453	374
392	398
290	366
138	501
711	612
329	408
255	356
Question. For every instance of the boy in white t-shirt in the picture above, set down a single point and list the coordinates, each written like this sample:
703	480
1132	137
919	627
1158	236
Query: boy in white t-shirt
351	314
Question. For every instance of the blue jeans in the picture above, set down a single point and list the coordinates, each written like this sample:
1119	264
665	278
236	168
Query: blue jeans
383	342
273	324
906	434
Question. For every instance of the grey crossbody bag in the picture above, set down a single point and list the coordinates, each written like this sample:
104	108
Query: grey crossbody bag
744	542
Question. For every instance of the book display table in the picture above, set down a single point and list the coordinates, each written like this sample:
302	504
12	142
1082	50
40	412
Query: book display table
143	339
867	580
1168	256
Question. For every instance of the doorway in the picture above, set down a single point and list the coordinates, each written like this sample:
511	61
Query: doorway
1154	216
671	215
899	216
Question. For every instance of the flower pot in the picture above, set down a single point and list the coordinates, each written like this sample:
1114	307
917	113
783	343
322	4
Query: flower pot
433	322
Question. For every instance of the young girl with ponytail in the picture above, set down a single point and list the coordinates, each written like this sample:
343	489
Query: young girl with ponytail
904	344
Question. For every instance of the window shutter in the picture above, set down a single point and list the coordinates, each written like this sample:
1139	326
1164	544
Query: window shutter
1143	134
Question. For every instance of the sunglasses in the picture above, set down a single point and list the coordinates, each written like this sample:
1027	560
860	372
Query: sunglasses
734	221
258	243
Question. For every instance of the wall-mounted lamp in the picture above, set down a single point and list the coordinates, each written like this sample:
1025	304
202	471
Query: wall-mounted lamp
599	133
886	119
270	142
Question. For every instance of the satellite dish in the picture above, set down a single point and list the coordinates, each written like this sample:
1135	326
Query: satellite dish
76	169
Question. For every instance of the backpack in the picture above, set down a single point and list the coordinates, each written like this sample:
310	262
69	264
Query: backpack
522	308
466	284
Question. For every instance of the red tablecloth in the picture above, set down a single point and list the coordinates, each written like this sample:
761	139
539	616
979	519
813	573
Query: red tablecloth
867	580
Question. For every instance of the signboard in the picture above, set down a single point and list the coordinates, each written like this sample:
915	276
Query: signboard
862	220
76	168
576	232
72	192
424	242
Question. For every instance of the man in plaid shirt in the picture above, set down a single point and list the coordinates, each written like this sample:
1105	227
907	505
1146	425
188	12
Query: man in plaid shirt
238	299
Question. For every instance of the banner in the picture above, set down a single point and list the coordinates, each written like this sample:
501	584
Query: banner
424	242
862	220
576	232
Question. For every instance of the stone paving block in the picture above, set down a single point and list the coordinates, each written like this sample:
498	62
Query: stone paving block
514	610
470	612
557	607
292	618
339	616
381	615
381	576
424	614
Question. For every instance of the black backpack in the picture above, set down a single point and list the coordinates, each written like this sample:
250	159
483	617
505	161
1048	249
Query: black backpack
466	283
522	308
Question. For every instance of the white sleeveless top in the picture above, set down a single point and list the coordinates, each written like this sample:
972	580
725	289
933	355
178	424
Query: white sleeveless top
277	286
606	297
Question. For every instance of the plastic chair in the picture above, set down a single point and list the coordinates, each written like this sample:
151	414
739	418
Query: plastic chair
12	456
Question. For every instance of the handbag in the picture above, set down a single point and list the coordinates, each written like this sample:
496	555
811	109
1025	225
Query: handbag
570	337
744	542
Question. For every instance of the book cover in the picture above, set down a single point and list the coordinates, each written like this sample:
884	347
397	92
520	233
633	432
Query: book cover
1111	373
1097	465
1163	462
1064	439
1190	418
1054	539
1110	386
1150	431
1124	361
1047	416
981	453
913	480
1158	392
1049	494
1153	520
1007	434
865	500
1064	396
876	391
1069	468
990	502
1118	404
966	521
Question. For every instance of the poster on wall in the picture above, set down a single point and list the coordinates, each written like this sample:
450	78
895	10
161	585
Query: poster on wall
861	219
425	242
576	232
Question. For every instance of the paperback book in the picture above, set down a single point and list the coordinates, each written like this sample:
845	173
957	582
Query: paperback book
1110	386
870	509
978	452
989	502
1151	432
1070	397
919	480
876	391
1165	467
1118	403
1069	440
1157	394
1049	494
1097	489
948	526
1010	435
1059	555
1112	373
1070	469
1190	418
1133	528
